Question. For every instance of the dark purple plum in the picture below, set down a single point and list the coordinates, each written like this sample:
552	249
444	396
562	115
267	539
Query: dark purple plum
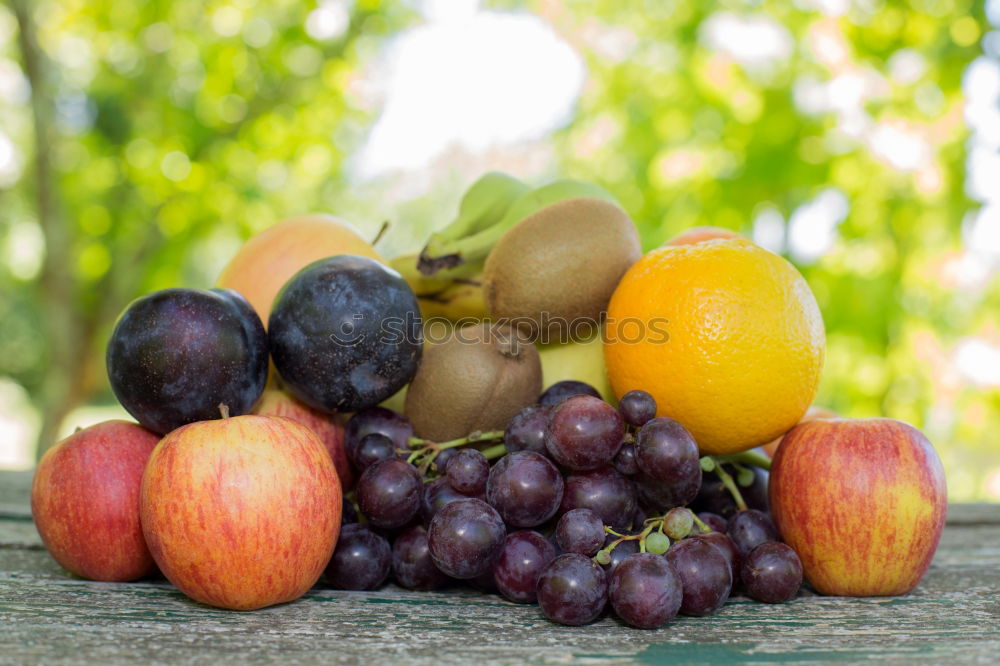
525	487
176	355
360	561
572	590
525	555
559	391
345	333
412	565
645	591
465	538
605	492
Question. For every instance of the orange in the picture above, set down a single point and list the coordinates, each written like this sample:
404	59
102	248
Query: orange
699	234
725	335
268	260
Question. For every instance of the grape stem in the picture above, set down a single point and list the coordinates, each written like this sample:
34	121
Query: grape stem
705	529
730	485
745	457
494	451
425	451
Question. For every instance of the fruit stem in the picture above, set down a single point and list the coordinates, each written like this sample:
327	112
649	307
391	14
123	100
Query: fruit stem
705	529
747	458
224	410
730	485
495	451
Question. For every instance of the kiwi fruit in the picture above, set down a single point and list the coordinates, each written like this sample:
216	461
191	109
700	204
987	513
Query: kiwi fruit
477	378
564	261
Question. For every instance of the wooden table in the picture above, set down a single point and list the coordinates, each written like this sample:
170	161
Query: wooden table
50	617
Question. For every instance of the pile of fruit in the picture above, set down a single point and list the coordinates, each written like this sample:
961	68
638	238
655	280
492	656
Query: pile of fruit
390	421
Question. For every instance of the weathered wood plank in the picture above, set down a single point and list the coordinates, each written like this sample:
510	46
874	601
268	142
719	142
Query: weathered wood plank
953	616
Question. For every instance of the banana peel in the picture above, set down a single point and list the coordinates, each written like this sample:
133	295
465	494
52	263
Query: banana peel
582	361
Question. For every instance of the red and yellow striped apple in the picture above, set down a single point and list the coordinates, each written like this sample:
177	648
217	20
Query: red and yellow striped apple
328	427
85	501
241	512
862	502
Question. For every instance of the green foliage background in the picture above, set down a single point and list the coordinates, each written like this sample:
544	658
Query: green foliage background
164	143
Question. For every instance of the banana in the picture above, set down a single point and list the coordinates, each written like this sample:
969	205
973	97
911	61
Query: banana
450	250
483	205
582	361
454	294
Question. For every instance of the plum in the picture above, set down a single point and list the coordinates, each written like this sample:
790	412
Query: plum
345	333
176	355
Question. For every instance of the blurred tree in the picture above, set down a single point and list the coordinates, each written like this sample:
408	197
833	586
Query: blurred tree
160	131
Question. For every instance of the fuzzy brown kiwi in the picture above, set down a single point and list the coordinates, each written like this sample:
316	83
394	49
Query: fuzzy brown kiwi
565	260
477	378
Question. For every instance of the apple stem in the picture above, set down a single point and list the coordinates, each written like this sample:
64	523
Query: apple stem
730	485
747	458
224	410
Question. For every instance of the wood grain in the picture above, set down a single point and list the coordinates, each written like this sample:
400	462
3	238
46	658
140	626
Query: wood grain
48	616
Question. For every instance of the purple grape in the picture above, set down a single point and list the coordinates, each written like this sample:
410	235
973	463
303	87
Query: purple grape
373	447
348	514
772	573
728	549
389	493
669	468
465	538
572	590
360	561
442	458
467	472
619	552
584	433
637	407
605	492
381	420
525	487
625	461
411	561
715	498
645	590
526	431
436	495
559	391
748	529
580	531
705	575
484	583
524	556
714	521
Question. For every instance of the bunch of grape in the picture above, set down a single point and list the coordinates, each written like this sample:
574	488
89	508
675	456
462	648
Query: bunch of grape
584	506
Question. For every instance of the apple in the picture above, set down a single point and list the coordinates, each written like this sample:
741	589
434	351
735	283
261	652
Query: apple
269	259
813	413
241	512
85	501
328	427
862	502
